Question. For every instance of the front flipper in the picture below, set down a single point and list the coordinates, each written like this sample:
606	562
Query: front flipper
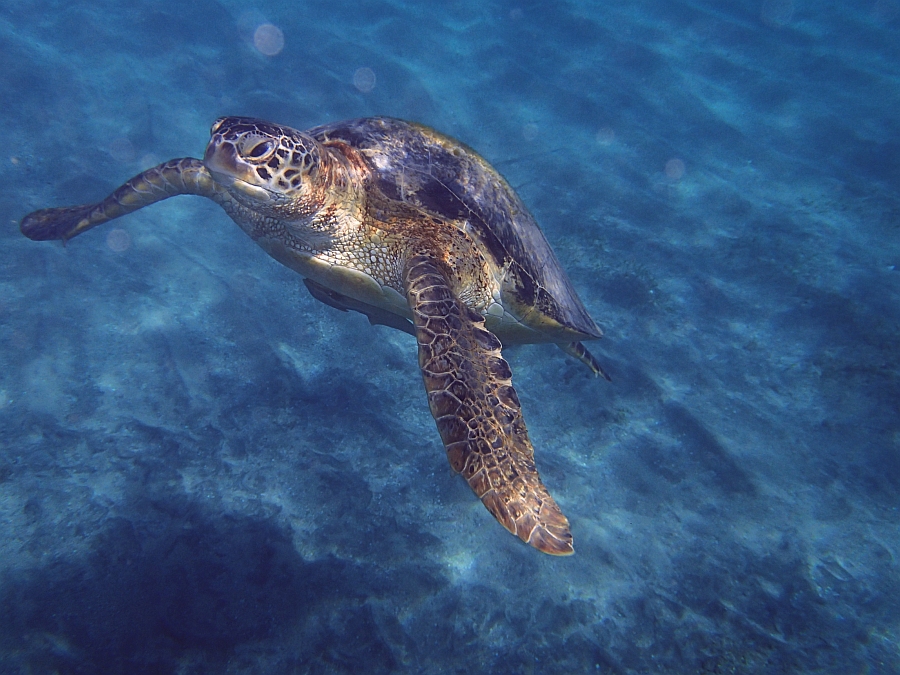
477	410
175	177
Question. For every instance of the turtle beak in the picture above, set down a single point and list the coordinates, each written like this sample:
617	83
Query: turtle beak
221	160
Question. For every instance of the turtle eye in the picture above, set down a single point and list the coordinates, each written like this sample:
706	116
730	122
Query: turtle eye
261	149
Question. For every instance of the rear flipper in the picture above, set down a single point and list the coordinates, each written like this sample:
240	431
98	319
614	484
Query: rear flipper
175	177
376	316
580	352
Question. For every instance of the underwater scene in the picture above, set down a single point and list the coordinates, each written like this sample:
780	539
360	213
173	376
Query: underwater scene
205	468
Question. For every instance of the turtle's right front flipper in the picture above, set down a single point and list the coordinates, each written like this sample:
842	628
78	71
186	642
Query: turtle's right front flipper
175	177
477	410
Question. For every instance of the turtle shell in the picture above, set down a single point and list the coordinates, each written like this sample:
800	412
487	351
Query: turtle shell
415	164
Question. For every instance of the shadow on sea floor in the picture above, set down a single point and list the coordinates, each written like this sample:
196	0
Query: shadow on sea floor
177	586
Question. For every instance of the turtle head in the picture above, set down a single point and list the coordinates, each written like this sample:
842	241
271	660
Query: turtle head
266	167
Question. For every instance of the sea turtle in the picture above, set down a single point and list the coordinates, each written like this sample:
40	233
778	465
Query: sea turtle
416	231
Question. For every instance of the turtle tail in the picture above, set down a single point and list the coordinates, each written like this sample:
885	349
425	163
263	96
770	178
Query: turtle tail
175	177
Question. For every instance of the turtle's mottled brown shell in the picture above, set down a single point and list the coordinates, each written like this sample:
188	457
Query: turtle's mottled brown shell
415	164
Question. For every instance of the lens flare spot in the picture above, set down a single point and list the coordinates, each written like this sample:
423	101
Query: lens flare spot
118	240
19	339
674	169
777	13
606	136
885	11
122	150
268	39
364	79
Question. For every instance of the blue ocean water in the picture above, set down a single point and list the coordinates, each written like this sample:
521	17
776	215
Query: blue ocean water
204	470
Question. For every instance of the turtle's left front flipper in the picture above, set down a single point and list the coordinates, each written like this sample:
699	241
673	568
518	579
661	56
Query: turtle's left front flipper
477	410
175	177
